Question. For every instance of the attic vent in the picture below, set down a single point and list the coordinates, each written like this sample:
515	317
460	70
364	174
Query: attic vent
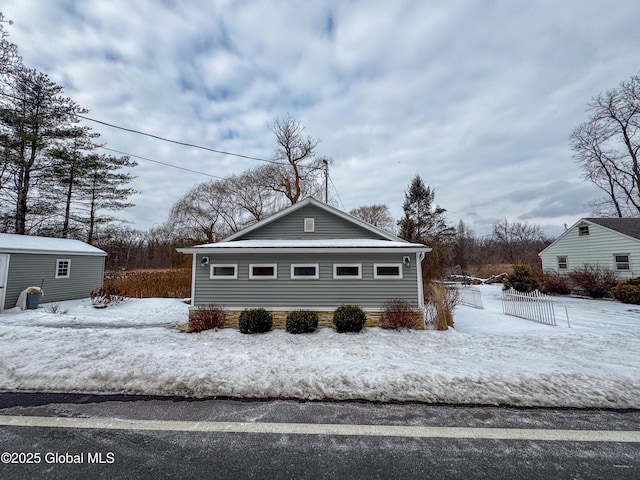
309	225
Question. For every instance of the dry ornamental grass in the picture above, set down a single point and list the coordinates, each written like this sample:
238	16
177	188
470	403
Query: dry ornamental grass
169	283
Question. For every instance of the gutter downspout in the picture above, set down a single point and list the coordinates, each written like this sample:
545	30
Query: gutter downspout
419	257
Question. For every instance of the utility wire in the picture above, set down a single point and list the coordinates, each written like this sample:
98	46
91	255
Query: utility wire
337	194
157	137
161	163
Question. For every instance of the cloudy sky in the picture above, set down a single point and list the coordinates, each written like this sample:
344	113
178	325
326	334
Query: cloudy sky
478	97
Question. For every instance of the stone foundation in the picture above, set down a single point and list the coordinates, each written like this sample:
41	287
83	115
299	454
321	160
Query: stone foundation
325	319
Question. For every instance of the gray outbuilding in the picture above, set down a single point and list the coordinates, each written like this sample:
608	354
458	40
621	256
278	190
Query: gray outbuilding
308	256
66	269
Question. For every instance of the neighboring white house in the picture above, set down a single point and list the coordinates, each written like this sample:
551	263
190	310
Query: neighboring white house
607	242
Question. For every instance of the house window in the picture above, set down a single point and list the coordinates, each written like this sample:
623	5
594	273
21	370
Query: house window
224	271
622	262
309	225
387	270
562	263
305	271
583	231
263	271
63	268
347	270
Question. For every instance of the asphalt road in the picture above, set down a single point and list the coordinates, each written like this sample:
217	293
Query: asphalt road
62	436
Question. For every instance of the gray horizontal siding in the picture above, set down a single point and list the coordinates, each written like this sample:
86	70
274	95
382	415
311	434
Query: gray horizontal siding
597	248
28	270
327	225
323	293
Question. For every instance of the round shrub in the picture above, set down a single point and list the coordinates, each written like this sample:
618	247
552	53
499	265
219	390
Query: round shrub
349	318
627	291
397	314
255	320
207	317
302	321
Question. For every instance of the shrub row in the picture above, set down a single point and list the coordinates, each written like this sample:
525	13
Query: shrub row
346	318
595	280
627	291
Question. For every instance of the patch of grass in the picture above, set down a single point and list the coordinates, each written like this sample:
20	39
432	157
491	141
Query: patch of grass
167	283
440	304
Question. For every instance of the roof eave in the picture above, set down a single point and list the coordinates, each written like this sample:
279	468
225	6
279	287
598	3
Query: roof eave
52	252
212	249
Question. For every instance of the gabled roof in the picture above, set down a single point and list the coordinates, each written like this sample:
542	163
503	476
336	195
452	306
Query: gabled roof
626	226
629	227
324	206
11	243
382	241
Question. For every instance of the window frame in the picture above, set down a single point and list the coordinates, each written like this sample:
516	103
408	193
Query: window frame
347	277
223	277
309	225
59	262
565	263
377	276
583	231
274	276
618	263
305	277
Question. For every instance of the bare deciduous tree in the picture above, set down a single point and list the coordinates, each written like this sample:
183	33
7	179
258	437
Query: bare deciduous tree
377	215
607	146
297	167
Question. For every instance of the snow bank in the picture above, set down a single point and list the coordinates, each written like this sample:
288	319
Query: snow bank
488	359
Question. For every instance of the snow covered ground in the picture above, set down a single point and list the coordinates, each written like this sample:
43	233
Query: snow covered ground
489	358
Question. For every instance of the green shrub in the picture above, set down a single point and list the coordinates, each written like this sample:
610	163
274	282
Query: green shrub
556	284
398	313
207	317
521	279
627	291
349	318
594	279
255	320
302	321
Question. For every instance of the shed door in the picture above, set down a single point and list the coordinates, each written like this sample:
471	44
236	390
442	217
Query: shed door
4	269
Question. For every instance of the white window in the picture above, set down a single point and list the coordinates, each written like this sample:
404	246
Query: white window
224	271
347	270
387	270
306	270
622	261
263	271
583	231
63	268
309	225
562	262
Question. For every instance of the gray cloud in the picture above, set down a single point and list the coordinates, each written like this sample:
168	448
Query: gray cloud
477	98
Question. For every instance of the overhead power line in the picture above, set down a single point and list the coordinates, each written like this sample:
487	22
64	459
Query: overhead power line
157	137
161	163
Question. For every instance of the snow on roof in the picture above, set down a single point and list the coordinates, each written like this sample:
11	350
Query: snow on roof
12	243
317	243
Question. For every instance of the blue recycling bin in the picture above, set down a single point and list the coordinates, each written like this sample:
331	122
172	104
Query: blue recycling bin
32	300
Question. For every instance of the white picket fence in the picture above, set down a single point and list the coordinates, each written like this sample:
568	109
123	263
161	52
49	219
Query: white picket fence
470	296
532	306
